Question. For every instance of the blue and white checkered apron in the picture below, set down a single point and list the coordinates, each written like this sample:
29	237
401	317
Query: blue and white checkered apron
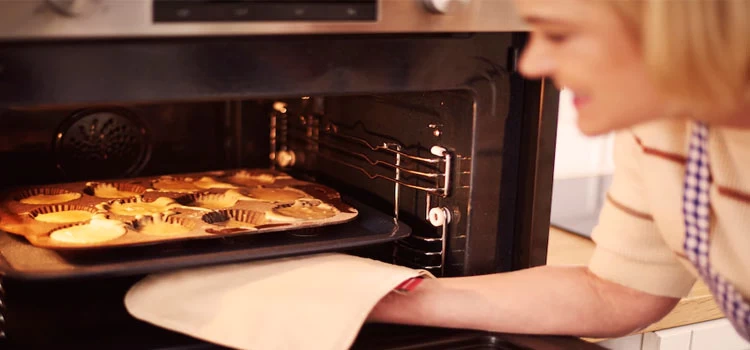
696	210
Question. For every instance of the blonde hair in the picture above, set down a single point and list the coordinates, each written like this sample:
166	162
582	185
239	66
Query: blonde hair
695	50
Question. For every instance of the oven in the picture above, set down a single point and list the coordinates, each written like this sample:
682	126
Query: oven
412	110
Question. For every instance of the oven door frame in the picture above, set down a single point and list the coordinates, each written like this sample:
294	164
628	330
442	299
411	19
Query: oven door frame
93	72
73	72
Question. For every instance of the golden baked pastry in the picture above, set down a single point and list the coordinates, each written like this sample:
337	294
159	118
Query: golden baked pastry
187	184
209	183
286	194
141	208
232	223
96	231
65	217
112	192
171	184
50	198
161	228
302	210
196	204
249	179
213	203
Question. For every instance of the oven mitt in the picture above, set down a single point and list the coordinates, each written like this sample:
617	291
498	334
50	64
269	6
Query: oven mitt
311	302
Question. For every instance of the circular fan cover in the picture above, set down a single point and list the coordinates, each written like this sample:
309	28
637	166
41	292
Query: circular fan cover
102	143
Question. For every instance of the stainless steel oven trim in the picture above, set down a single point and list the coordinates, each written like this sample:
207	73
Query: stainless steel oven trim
36	19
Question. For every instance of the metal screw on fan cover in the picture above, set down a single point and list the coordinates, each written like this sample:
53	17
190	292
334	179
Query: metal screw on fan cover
102	143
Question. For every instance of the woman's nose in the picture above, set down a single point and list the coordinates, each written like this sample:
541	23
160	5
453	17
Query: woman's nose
536	61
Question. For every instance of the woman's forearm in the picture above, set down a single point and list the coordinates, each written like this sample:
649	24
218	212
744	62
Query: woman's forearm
542	300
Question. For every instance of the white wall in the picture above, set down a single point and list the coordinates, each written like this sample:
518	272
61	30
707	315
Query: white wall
710	335
578	155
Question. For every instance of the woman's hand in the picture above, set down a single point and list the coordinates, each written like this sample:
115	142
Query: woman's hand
541	300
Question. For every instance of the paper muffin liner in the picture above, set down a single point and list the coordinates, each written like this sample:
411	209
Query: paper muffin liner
278	214
34	214
254	219
48	191
110	206
121	227
105	206
251	217
208	200
161	224
119	190
170	219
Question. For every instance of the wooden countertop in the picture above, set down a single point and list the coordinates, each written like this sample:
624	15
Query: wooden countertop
570	249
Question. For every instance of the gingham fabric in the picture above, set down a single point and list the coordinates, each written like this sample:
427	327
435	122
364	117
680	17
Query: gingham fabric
696	210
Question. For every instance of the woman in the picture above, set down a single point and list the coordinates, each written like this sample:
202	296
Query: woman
672	78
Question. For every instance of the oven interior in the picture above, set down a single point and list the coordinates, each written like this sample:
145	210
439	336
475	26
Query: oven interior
449	162
410	151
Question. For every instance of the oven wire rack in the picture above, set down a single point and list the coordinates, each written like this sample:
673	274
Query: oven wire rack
337	143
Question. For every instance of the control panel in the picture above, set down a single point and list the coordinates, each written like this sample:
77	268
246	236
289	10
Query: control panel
103	19
264	10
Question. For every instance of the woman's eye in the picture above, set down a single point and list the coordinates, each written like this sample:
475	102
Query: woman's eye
556	38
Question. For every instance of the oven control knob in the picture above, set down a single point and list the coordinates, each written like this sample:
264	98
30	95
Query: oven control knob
443	6
73	8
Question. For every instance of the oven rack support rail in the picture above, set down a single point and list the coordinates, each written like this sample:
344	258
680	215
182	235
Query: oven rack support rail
340	146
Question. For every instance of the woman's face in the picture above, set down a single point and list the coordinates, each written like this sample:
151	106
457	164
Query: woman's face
584	47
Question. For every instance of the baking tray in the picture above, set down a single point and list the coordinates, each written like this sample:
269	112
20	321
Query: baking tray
195	206
19	259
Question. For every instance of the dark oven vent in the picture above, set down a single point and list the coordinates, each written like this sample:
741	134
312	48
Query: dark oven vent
102	143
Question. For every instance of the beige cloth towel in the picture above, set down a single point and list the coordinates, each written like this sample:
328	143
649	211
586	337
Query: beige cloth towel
310	302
